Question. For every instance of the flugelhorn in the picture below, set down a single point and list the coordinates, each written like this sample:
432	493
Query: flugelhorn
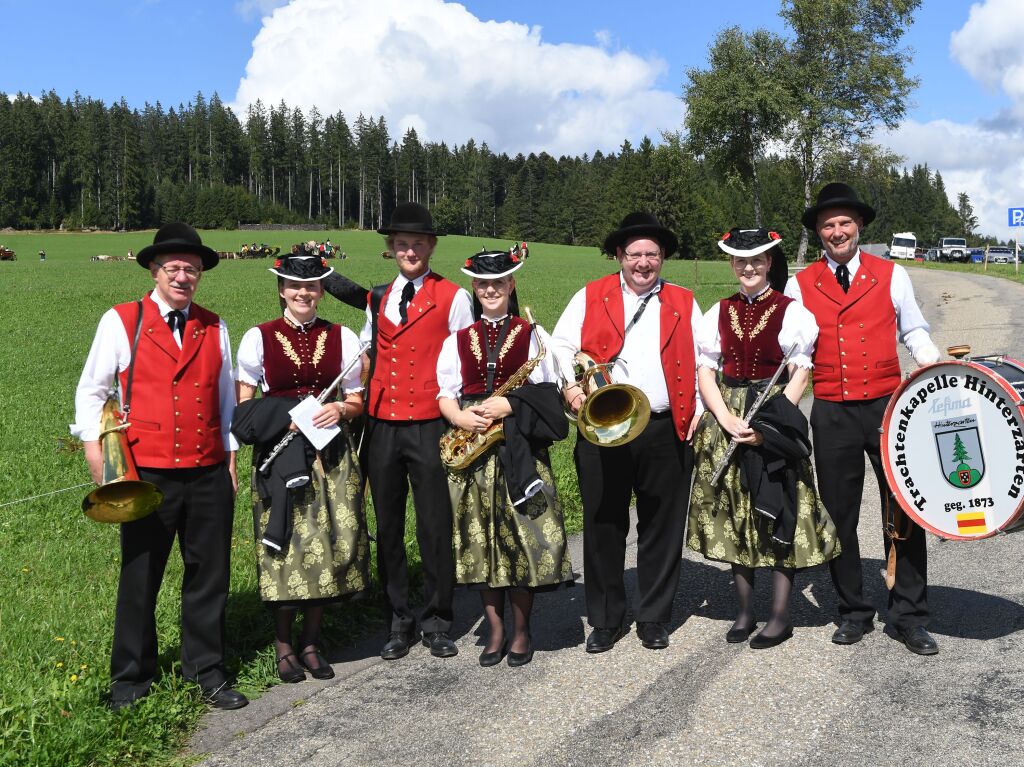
121	496
612	414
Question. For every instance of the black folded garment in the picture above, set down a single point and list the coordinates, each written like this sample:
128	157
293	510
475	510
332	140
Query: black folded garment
537	420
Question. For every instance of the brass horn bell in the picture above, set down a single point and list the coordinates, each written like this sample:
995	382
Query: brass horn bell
612	414
122	496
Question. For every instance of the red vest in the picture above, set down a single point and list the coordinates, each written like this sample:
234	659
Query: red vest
855	358
404	385
296	364
749	333
175	397
473	342
602	337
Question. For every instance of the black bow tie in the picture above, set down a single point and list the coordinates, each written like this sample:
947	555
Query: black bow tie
843	277
176	322
403	306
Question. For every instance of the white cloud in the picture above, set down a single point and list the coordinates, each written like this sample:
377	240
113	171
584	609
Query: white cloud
989	47
435	66
252	9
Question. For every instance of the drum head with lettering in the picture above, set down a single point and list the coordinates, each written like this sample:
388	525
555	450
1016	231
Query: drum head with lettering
953	448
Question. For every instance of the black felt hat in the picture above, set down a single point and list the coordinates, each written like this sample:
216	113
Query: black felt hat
301	268
837	195
492	264
178	239
410	217
747	243
641	224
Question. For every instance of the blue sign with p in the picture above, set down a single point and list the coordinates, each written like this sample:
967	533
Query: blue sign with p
1016	216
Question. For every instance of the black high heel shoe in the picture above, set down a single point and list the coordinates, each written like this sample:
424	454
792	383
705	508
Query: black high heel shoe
494	658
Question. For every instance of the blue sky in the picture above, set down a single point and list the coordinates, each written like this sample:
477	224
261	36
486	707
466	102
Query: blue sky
580	75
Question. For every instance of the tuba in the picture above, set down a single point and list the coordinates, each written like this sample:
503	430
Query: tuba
122	496
461	448
612	414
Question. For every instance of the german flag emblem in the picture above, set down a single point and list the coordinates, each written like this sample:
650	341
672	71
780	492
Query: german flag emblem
971	523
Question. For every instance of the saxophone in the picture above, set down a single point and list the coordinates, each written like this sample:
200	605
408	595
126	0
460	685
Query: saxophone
461	448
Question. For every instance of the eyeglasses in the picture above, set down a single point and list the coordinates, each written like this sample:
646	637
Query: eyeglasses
741	266
649	255
190	271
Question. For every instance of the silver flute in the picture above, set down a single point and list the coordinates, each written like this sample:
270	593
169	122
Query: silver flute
761	399
287	438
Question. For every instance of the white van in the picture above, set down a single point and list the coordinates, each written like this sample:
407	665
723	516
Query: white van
903	245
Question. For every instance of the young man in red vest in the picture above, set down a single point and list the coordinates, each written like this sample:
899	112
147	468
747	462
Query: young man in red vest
861	304
647	327
410	318
182	398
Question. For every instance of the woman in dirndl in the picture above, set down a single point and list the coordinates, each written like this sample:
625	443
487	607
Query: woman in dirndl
310	527
764	511
509	535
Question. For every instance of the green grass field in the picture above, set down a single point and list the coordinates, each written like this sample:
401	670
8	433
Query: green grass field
58	570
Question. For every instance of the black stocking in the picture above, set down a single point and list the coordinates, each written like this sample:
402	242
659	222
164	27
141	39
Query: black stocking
283	619
311	618
782	585
522	605
494	611
743	578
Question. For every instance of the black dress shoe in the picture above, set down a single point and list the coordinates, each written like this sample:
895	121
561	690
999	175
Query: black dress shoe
601	640
224	697
397	645
653	636
737	635
761	642
293	672
520	658
441	646
851	632
488	659
918	640
323	669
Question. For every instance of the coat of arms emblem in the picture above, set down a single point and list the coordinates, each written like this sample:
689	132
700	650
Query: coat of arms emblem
959	446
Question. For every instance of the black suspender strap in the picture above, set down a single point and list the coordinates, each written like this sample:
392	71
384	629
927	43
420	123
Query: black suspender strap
126	406
492	354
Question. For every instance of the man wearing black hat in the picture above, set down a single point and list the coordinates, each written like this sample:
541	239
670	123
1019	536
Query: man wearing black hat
861	304
171	360
408	320
646	327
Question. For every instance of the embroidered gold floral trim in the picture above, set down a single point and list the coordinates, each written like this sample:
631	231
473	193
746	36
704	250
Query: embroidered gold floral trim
734	322
509	341
321	347
474	345
286	345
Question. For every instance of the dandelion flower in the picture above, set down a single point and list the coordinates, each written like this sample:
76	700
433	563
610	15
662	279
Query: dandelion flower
58	639
60	664
84	666
74	677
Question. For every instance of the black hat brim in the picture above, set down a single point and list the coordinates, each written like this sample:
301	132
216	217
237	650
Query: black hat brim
810	216
664	236
178	247
409	229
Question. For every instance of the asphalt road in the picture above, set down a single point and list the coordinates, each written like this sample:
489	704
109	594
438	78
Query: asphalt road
701	701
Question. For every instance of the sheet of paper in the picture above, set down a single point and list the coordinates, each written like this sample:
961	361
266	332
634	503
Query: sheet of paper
302	414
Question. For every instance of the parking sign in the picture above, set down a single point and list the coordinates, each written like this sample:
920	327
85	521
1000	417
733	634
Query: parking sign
1016	216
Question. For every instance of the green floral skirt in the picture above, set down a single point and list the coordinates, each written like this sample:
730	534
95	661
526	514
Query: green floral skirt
722	525
328	555
499	547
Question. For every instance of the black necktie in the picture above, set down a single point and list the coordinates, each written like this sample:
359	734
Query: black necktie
176	322
843	277
403	306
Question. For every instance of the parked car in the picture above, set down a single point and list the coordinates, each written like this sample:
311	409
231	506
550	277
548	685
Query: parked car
932	254
977	255
1000	254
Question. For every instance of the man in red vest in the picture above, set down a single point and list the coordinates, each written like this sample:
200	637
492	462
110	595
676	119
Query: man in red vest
409	319
171	359
647	327
862	304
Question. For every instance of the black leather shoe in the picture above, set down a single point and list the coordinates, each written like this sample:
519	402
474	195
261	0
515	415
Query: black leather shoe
653	636
761	642
397	645
601	640
918	640
737	635
851	632
224	697
322	669
488	659
293	672
516	659
441	646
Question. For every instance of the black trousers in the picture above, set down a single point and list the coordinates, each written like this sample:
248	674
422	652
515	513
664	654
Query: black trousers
397	454
198	508
657	465
843	433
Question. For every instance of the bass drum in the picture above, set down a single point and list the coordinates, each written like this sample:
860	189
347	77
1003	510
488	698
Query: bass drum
953	447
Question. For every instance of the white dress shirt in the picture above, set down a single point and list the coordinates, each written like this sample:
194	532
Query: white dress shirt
911	326
459	316
250	361
798	327
449	364
111	353
639	362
